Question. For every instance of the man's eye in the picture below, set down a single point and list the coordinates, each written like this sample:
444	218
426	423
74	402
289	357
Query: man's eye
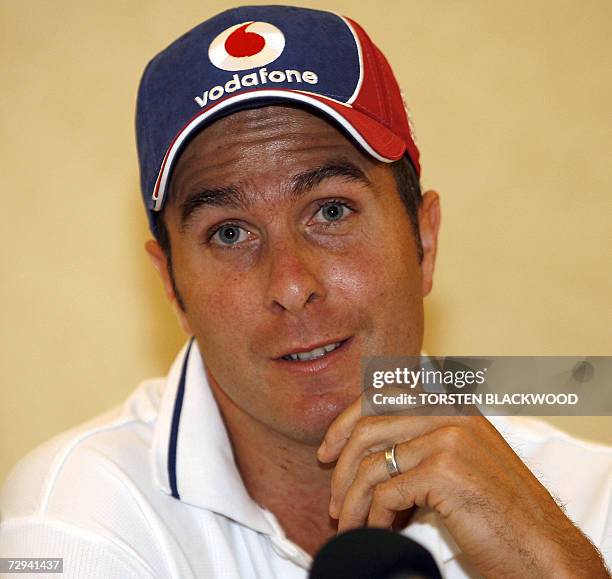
229	234
332	211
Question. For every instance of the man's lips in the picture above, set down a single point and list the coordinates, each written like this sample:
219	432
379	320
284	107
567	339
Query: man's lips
327	344
318	364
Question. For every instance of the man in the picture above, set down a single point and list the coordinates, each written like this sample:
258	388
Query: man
281	179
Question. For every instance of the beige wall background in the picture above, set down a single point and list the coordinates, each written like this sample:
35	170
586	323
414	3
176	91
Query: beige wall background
512	103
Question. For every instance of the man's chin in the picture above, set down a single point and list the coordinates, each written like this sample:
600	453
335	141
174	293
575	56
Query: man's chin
309	423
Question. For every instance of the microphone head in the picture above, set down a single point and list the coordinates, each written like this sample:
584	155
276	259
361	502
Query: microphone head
371	553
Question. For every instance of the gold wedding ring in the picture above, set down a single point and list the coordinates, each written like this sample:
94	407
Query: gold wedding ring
391	462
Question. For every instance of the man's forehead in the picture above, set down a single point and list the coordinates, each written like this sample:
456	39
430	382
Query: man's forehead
278	141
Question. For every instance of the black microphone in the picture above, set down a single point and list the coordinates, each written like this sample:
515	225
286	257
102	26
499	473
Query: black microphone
371	553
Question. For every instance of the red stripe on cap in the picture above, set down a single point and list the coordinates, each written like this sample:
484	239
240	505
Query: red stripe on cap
380	96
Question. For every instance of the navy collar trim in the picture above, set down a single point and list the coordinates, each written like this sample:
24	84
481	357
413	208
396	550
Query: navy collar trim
174	428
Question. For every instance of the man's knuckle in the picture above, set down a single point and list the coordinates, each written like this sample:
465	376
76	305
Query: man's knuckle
367	466
440	463
454	437
363	430
405	491
379	494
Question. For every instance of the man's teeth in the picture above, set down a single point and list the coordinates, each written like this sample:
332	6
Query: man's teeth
313	354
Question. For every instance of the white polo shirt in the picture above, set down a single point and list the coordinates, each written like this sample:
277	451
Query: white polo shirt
151	490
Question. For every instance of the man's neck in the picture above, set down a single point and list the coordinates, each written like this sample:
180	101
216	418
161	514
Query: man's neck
281	475
285	477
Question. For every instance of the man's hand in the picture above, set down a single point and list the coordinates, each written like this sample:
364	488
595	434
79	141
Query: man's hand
498	513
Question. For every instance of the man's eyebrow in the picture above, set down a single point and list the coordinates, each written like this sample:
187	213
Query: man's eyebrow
230	196
308	180
235	197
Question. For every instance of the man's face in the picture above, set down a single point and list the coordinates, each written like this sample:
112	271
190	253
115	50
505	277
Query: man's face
286	238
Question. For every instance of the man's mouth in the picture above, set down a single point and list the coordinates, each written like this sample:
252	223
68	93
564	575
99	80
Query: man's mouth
313	354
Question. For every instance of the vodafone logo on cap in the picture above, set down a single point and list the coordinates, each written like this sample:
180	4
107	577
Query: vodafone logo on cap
246	45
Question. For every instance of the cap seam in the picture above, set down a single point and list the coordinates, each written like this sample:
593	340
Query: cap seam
374	116
383	81
368	51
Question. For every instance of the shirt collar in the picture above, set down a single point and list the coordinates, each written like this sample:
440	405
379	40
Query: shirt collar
194	461
193	457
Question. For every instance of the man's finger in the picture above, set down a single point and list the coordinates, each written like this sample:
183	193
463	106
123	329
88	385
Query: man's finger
352	507
374	435
339	431
341	428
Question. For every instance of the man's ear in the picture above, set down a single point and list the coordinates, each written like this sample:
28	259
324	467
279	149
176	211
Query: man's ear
160	262
429	225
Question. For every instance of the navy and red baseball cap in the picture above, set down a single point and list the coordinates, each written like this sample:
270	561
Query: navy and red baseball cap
259	55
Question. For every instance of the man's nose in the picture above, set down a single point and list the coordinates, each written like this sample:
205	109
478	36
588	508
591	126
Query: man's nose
293	277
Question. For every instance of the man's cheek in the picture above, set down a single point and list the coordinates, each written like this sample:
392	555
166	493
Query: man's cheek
358	276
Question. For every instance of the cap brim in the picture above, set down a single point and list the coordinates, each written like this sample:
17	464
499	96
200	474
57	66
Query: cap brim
373	137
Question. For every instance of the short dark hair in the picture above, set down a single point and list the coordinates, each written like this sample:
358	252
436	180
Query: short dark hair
408	187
